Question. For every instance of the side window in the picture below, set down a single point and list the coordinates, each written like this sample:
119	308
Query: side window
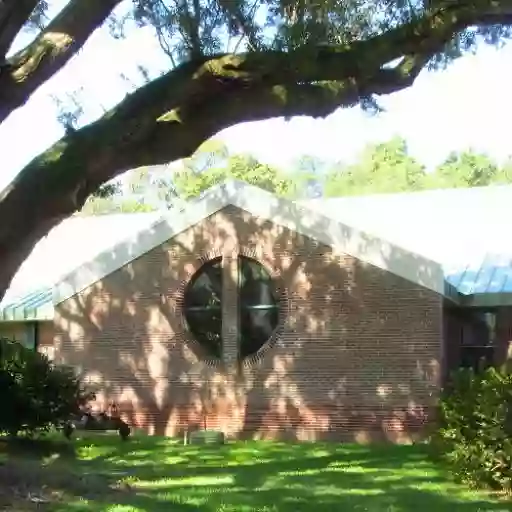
478	340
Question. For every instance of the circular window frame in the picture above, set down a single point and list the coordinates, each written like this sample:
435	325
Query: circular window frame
278	289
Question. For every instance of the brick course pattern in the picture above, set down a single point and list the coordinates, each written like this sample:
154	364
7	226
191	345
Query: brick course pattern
357	354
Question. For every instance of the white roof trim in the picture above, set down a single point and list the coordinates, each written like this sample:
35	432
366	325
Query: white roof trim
259	203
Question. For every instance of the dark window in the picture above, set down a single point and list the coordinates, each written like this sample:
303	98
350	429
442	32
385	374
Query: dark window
258	306
478	339
202	306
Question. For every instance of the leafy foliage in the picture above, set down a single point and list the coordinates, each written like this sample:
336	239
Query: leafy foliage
470	170
190	183
387	167
35	394
191	27
383	167
111	204
476	427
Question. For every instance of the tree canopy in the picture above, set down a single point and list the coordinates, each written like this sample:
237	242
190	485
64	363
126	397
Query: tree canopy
229	61
387	167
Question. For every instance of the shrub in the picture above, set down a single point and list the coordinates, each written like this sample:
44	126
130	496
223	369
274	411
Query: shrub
35	394
476	427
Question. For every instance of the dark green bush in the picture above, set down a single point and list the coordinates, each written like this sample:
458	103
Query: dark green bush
35	394
475	432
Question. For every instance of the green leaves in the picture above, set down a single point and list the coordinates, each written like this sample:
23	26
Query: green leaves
385	167
194	177
382	168
199	27
35	394
469	169
476	427
388	167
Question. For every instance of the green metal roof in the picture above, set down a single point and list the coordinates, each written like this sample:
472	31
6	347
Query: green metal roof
36	306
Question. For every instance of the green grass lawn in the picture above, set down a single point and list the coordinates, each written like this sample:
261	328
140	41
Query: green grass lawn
155	474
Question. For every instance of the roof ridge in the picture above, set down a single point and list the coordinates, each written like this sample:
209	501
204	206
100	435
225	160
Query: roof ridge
263	204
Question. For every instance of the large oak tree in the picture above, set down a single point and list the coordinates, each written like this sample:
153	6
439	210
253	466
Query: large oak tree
292	57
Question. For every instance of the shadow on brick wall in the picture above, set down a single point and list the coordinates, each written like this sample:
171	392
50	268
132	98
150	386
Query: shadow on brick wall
357	353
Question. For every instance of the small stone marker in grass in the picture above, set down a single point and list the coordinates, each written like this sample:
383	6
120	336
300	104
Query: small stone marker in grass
204	437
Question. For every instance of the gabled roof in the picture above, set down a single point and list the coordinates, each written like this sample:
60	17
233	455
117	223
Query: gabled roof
262	204
464	230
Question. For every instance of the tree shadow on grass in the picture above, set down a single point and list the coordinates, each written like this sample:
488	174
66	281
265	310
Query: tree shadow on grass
278	477
36	448
37	473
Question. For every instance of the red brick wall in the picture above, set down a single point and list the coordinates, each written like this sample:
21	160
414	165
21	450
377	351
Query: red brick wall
45	339
357	355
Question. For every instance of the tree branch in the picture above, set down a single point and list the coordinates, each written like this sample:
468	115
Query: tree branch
57	183
13	15
50	51
421	38
132	135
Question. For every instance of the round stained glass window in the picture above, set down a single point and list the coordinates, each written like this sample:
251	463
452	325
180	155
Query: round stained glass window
258	306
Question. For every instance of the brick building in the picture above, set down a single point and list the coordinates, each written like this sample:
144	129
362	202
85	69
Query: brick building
263	317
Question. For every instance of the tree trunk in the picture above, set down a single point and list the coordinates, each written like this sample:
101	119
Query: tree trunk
31	67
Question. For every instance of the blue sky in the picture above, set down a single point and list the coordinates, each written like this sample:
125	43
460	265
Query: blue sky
462	107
